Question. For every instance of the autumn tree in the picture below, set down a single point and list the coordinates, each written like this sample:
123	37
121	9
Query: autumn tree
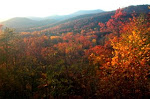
114	24
129	68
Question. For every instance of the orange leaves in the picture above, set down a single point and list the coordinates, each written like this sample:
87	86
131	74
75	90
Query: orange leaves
114	61
94	41
131	51
131	45
128	61
68	36
54	37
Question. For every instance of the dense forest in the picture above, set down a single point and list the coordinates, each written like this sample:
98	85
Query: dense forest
85	58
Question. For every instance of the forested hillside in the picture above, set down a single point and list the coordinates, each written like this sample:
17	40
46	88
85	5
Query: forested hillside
104	55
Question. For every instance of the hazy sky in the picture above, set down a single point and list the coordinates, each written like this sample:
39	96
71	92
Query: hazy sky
41	8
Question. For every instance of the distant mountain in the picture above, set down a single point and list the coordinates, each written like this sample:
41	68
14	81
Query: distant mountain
35	18
62	17
87	21
82	12
21	23
77	21
56	17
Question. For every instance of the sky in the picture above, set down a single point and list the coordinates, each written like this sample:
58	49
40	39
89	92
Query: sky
43	8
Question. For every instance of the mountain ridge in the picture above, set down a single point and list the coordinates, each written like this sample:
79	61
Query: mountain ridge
68	21
82	22
29	22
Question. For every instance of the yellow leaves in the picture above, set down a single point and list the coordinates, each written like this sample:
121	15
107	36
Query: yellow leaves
92	55
140	53
54	37
94	41
122	54
131	49
133	32
108	63
130	37
113	63
142	48
97	59
130	55
114	60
